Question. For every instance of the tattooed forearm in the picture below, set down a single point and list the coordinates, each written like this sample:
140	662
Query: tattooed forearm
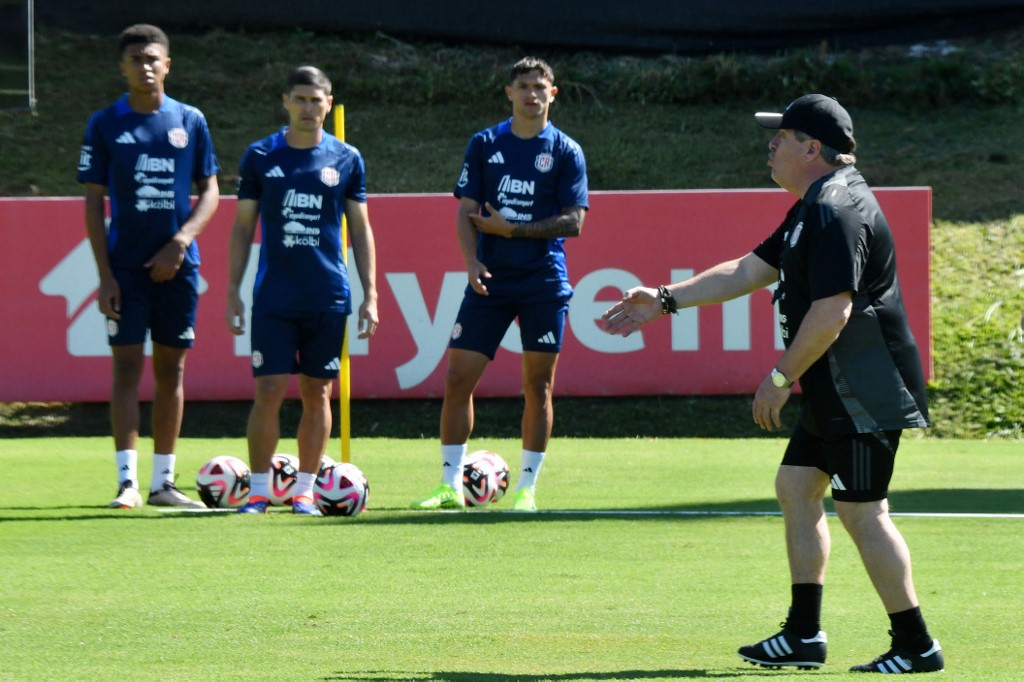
568	223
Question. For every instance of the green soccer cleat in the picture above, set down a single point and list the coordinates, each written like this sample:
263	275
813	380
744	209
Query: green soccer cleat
524	501
442	497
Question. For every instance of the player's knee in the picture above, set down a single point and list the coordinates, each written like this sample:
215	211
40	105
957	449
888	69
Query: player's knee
863	518
538	389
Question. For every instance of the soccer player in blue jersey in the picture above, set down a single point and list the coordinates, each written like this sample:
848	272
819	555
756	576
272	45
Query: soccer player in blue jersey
842	318
146	151
298	183
522	192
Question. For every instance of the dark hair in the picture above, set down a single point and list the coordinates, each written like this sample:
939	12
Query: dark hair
308	75
528	64
142	34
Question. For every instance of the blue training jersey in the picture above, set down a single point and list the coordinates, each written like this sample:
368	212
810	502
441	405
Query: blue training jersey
148	163
526	180
302	194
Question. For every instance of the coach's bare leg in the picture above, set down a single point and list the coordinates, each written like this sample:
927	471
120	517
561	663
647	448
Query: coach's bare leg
538	389
315	425
264	428
883	551
465	367
801	492
168	397
124	395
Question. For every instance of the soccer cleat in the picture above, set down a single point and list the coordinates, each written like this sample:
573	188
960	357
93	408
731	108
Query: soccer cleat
524	501
898	661
787	650
441	497
255	505
305	506
169	496
128	497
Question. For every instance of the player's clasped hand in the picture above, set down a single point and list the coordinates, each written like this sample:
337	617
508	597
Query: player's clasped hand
637	307
164	265
494	223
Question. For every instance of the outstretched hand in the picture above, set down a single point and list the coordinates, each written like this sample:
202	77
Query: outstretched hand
637	307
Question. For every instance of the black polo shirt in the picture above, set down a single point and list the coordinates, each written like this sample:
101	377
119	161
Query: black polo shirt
833	240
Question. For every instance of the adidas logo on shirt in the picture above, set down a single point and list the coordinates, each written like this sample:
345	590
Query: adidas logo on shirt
333	365
496	158
274	172
548	338
125	138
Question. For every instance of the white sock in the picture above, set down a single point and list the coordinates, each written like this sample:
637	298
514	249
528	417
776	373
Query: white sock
127	467
304	485
451	465
260	485
532	462
163	472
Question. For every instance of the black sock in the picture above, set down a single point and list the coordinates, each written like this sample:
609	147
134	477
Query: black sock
909	631
805	610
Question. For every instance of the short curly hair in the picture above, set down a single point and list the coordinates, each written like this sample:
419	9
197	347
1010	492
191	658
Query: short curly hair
143	34
528	64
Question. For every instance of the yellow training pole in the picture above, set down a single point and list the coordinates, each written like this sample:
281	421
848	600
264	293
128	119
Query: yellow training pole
344	372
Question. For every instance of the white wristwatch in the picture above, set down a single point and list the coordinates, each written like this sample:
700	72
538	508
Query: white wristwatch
780	380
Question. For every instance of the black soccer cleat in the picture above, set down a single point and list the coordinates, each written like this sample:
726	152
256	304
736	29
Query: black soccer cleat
898	661
787	650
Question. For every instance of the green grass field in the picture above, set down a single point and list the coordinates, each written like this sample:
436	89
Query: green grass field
644	584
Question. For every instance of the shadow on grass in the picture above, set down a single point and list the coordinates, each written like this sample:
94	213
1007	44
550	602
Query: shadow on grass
937	501
458	676
634	417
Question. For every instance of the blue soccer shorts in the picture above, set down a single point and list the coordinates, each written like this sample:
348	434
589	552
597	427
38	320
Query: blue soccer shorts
483	320
297	343
167	310
859	465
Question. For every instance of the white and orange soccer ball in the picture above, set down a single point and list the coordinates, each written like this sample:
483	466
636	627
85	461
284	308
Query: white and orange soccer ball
284	472
485	478
223	482
341	490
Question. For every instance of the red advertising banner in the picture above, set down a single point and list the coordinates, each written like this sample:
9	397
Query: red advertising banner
54	348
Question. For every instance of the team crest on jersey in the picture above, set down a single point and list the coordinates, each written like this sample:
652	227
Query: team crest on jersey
544	162
330	176
795	237
178	137
464	176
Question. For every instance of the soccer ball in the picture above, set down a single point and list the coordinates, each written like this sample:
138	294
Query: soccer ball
341	490
484	478
326	461
284	471
223	482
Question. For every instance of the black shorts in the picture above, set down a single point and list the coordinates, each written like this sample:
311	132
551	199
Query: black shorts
859	465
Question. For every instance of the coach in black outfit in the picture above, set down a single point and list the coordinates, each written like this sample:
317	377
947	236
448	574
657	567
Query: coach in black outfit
848	343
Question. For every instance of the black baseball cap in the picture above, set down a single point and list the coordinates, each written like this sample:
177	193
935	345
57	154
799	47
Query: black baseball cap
819	116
